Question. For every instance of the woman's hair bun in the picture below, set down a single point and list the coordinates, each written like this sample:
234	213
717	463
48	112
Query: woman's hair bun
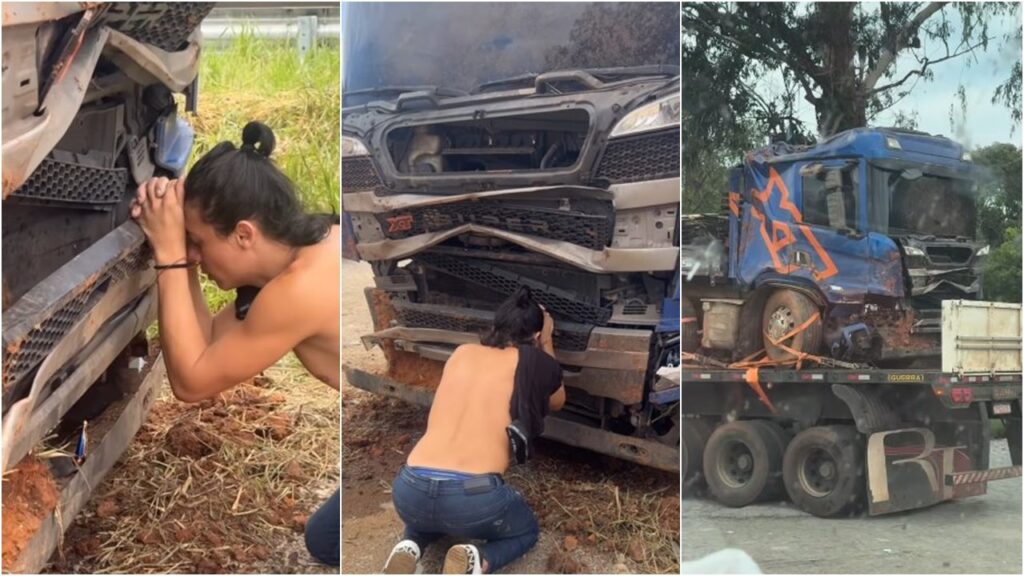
524	297
257	133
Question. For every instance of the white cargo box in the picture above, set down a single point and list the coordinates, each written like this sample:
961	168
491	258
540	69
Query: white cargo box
980	337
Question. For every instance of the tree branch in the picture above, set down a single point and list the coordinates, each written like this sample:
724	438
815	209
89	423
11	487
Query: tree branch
921	71
888	55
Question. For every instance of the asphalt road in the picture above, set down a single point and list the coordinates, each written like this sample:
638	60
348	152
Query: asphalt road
976	535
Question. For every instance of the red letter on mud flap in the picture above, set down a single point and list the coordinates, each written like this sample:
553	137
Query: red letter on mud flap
878	472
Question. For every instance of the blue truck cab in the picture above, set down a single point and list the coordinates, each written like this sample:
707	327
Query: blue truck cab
845	249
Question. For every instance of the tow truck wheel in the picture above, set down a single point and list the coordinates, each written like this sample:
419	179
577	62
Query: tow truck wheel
785	311
688	335
695	434
824	470
742	462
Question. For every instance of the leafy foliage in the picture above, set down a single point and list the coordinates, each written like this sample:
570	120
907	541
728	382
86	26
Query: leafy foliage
1002	279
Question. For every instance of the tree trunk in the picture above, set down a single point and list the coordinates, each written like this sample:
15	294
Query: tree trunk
842	105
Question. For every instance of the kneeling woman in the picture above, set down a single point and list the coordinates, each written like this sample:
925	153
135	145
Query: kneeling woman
452	482
238	217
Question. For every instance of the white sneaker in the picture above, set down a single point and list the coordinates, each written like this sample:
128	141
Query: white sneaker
462	559
404	558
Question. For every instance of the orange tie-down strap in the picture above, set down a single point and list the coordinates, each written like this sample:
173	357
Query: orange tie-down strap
755	385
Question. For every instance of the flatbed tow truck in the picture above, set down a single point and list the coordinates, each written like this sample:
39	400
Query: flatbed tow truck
840	438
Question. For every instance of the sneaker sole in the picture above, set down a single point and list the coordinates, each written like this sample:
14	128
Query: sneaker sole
456	561
401	563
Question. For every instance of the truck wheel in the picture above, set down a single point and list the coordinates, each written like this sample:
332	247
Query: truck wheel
824	470
785	311
742	462
781	439
688	330
1013	439
695	434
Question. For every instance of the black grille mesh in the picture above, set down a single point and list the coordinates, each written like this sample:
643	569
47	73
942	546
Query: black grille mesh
566	336
642	157
33	348
165	25
66	182
359	174
557	300
588	223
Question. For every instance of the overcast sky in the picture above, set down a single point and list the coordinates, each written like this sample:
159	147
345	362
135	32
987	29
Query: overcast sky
931	100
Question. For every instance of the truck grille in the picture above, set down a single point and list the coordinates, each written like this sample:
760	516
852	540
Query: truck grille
649	156
358	175
23	353
67	182
165	25
588	223
556	300
567	335
949	254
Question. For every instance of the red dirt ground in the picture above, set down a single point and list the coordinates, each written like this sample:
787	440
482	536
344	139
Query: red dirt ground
30	495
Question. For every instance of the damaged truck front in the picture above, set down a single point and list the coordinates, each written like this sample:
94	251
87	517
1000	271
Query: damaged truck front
565	181
88	113
854	243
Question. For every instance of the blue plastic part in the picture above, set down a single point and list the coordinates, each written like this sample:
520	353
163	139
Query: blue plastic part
663	397
174	139
671	312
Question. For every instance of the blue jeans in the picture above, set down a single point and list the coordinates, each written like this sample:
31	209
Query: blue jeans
323	531
497	514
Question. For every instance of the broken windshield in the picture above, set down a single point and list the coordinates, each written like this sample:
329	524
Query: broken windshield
463	46
911	202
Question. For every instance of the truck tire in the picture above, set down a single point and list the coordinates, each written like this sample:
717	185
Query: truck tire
785	311
688	331
695	434
781	438
1013	439
741	463
824	470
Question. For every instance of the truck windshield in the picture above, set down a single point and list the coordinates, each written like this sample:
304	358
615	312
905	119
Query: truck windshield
460	46
911	202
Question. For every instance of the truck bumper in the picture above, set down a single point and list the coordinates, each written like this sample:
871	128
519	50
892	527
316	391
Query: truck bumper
646	452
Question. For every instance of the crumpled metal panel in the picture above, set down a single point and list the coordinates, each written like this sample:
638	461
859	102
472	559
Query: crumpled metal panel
36	322
776	243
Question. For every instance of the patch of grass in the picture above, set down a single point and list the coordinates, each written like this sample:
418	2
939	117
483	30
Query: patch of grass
257	79
998	428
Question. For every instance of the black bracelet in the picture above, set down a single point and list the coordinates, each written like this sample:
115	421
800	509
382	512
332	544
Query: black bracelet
185	264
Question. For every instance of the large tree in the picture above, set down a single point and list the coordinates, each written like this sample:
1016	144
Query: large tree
841	56
838	57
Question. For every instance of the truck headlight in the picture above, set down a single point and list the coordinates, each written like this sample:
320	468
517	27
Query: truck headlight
913	251
893	143
659	114
352	147
982	251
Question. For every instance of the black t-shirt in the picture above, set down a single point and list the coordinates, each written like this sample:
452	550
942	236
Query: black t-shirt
538	376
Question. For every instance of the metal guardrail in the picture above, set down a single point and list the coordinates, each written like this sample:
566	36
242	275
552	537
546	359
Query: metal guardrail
306	24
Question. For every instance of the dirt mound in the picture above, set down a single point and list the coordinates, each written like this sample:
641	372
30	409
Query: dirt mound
403	366
209	487
29	496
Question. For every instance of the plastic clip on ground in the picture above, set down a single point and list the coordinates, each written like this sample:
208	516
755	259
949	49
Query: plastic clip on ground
83	441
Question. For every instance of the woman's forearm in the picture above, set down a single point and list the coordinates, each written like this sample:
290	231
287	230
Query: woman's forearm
182	339
202	311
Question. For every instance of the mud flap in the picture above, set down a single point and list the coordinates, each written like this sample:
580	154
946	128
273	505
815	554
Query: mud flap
907	469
